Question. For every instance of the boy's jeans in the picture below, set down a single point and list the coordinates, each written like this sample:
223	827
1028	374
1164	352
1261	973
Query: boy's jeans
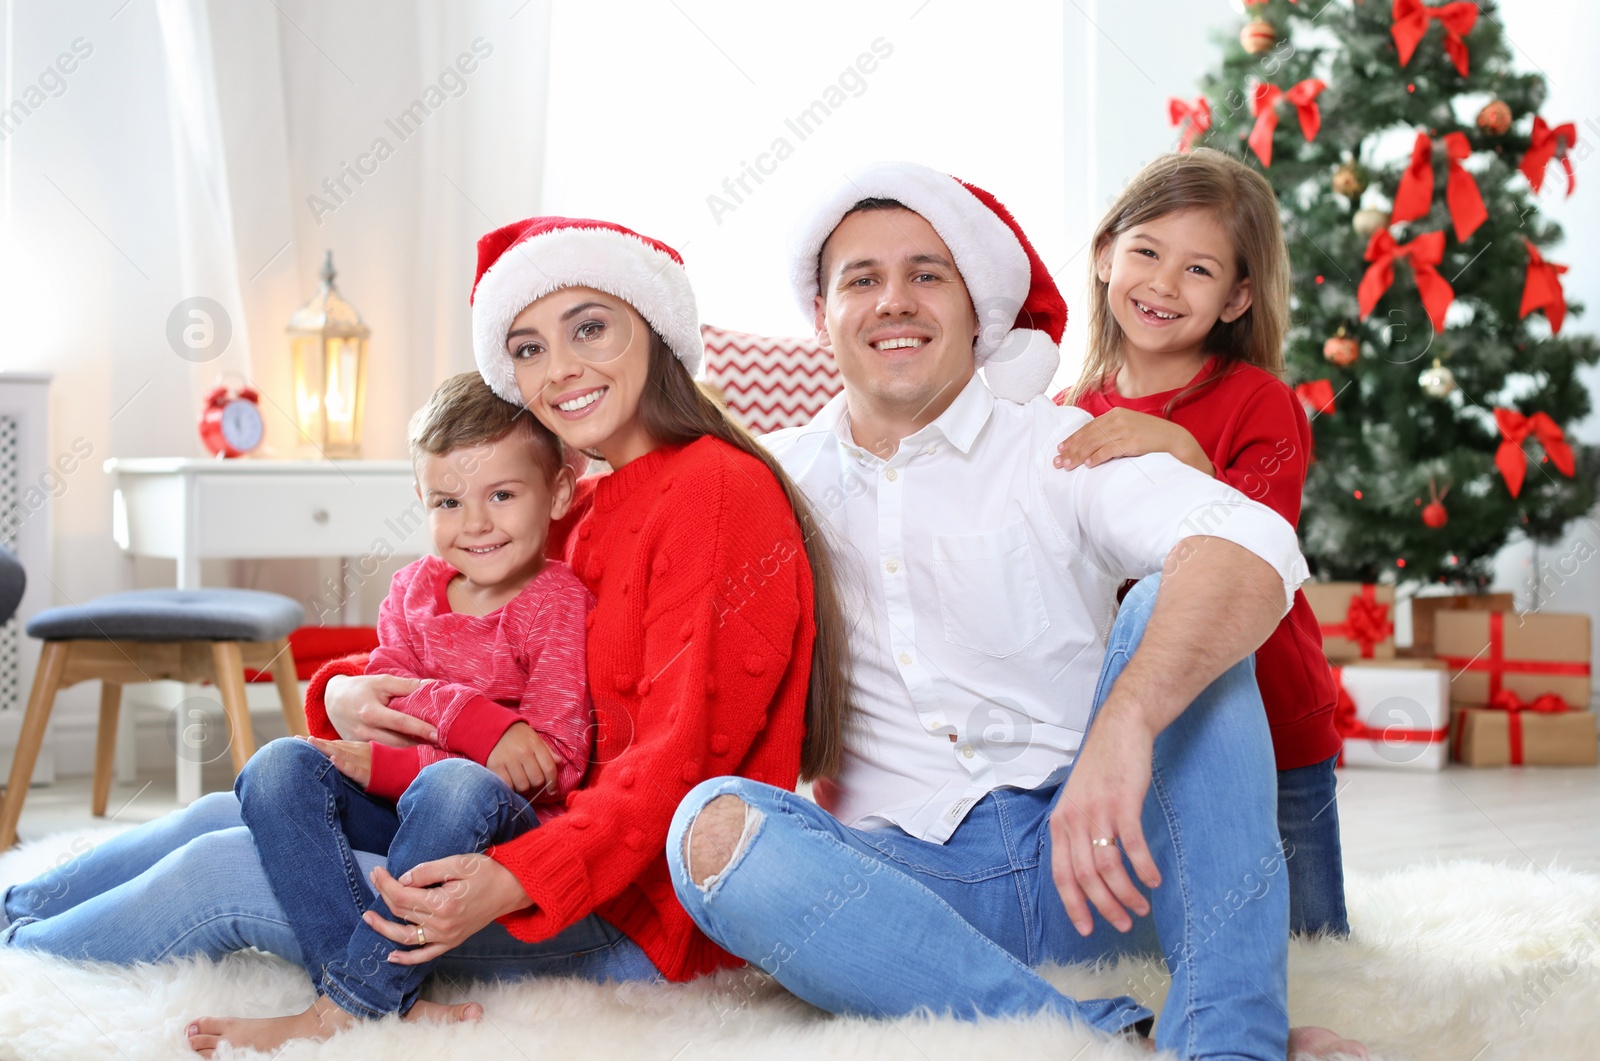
307	820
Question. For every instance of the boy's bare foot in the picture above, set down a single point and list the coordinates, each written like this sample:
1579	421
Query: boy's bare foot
320	1022
1316	1043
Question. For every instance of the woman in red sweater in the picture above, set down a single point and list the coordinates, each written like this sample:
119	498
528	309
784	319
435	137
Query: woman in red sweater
716	646
1189	304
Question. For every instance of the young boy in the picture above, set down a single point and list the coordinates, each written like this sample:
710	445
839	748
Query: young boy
497	631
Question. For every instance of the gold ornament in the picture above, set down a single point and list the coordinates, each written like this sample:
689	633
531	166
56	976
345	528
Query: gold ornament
1369	221
1437	381
1349	181
1495	118
1257	36
1340	349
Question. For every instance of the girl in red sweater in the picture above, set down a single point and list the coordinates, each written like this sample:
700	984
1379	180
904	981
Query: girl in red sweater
715	645
1189	303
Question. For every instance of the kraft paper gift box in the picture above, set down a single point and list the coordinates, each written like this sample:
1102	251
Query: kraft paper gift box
1357	619
1524	735
1394	714
1529	654
1425	611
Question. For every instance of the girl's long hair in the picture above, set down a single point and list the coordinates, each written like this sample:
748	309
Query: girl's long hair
1243	202
673	410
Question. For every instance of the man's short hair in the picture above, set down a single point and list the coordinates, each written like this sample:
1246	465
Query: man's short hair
862	206
464	413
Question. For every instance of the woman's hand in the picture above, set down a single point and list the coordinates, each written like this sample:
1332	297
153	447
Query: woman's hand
358	708
473	891
1125	433
352	758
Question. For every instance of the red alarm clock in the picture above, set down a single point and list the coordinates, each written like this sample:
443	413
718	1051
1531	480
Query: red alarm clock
230	423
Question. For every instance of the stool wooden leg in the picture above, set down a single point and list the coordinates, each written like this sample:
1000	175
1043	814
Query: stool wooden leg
52	664
288	683
229	664
105	744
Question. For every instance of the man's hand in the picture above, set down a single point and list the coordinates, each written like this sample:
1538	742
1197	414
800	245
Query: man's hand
473	891
358	708
352	758
1104	799
1125	433
524	761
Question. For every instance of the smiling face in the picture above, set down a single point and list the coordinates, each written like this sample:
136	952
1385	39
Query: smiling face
489	511
897	316
581	358
1169	280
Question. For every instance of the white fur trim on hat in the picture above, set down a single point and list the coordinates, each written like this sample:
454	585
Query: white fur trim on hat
988	255
620	265
1023	366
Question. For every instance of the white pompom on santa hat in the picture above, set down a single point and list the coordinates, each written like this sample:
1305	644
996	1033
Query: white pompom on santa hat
1021	314
526	260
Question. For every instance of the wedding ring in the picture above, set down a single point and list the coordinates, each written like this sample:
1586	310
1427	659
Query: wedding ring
1104	841
422	938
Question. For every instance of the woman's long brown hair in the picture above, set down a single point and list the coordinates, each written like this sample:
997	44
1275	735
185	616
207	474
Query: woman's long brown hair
1243	202
673	411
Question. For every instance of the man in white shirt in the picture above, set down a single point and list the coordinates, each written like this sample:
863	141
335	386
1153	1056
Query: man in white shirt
967	838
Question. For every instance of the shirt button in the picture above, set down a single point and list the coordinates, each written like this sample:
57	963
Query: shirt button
905	658
966	751
892	566
932	450
891	475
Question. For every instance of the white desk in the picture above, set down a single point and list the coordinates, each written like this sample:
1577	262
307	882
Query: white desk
190	510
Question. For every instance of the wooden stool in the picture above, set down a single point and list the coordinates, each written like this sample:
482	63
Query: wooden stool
155	635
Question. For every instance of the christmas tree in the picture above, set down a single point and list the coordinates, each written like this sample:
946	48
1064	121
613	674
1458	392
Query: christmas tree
1409	159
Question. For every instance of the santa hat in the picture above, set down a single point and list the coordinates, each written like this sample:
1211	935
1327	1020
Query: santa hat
526	260
1021	314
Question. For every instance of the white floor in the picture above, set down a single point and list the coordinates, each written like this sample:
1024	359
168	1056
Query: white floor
1389	819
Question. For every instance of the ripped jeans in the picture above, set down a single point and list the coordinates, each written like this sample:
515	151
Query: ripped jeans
881	923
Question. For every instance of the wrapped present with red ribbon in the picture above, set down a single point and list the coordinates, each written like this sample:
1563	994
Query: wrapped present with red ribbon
1530	654
1394	715
1357	619
1511	731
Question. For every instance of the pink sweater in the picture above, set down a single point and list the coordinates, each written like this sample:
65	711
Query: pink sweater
523	662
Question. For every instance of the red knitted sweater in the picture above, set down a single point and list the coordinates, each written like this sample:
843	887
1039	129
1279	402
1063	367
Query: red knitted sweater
1254	431
699	661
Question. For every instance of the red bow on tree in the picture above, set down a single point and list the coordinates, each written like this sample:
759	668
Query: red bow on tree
1515	427
1542	290
1547	143
1264	105
1316	396
1197	114
1411	25
1414	198
1425	252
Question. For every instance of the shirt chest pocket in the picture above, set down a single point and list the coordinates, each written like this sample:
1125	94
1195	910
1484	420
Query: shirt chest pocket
989	590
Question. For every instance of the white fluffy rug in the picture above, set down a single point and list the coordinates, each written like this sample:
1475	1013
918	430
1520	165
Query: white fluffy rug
1459	962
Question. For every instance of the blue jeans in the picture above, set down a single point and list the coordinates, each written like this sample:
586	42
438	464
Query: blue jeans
192	883
306	819
882	924
1308	821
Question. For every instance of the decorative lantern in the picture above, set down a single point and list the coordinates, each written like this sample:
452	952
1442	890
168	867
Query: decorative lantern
329	343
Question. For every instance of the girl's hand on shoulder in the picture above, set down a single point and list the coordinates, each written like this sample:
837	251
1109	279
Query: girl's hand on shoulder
352	758
1125	433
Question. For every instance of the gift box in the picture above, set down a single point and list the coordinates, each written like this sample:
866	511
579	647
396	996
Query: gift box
1530	655
1543	732
1357	619
1424	611
1394	714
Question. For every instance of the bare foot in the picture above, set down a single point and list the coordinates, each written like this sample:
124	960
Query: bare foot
439	1013
319	1022
1313	1042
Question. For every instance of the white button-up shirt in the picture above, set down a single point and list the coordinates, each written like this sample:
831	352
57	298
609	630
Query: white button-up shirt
981	584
